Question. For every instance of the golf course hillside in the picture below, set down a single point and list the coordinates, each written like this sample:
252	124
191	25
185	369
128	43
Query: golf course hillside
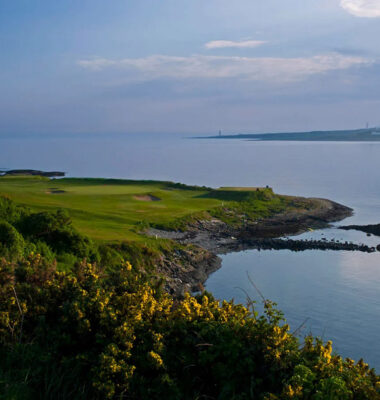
169	228
118	210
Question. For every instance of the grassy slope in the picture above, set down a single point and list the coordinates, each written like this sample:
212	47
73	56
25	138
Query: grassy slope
108	209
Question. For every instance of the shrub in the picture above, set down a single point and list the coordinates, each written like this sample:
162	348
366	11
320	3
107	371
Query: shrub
11	212
95	335
11	242
56	230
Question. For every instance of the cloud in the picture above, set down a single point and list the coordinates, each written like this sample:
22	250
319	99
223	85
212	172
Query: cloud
221	67
362	8
221	44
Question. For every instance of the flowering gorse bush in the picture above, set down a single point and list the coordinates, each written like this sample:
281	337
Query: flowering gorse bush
96	334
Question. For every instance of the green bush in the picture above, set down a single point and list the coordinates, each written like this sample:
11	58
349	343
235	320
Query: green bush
56	230
11	212
11	242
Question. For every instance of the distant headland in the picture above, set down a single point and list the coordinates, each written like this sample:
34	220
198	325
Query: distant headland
356	135
48	174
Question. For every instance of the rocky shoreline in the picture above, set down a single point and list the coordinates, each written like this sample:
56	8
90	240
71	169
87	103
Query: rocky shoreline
206	239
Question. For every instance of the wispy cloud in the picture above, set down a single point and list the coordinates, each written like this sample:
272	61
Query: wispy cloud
362	8
213	67
221	44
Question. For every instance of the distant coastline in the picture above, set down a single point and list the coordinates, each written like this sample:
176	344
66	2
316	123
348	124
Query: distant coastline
31	172
355	135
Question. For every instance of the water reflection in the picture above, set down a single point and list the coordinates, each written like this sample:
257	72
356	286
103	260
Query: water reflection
336	291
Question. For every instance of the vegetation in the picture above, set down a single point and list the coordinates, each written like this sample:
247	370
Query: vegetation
114	210
93	334
53	235
104	220
84	318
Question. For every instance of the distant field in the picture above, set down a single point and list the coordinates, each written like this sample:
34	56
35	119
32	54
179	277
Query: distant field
113	210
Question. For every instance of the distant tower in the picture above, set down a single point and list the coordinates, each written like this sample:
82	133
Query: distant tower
367	125
220	132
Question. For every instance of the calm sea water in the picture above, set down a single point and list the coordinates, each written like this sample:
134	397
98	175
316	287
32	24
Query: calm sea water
337	293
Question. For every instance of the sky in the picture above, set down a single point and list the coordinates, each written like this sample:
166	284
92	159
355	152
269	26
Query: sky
188	66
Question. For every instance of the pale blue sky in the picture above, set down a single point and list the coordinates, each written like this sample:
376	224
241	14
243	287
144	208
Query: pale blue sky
188	66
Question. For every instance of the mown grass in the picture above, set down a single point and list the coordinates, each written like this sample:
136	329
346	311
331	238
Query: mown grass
113	209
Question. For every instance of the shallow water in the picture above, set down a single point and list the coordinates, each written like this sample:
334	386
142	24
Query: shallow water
334	294
337	291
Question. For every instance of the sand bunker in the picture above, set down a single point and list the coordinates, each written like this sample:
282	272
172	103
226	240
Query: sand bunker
146	197
55	191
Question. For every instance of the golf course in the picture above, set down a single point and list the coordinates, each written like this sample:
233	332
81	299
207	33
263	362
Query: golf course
118	210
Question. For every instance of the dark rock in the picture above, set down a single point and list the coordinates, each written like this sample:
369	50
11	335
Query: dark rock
49	174
369	229
301	245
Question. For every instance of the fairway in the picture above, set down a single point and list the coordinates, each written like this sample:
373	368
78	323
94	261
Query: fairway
109	209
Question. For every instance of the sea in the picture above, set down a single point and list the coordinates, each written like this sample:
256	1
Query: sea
331	294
